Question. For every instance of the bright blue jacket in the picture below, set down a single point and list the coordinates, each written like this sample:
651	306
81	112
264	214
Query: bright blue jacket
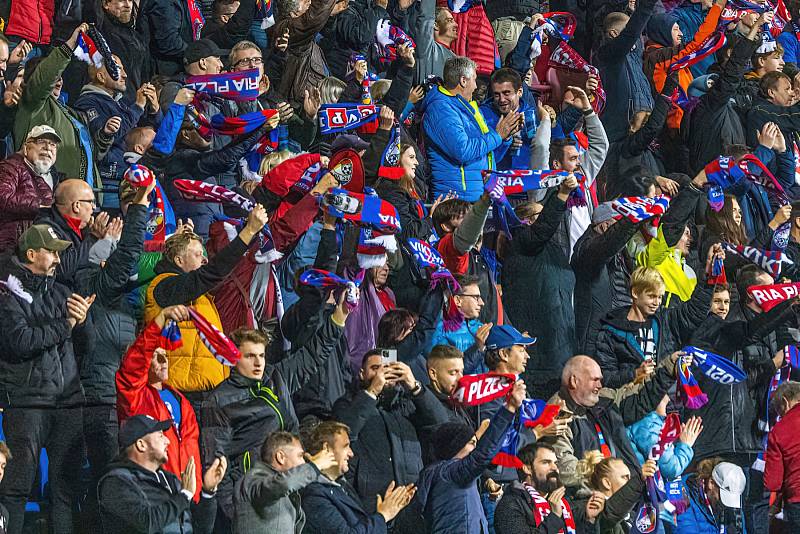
698	519
522	158
644	435
459	144
791	47
464	340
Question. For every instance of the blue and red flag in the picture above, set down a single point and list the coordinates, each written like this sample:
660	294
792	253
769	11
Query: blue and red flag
170	336
87	51
264	13
373	211
532	413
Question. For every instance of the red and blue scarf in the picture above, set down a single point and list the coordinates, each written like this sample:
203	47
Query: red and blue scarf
565	57
713	366
86	51
264	13
219	124
387	38
217	343
170	338
769	296
474	390
323	279
769	260
240	86
160	217
711	45
532	413
196	18
499	184
428	257
638	209
337	118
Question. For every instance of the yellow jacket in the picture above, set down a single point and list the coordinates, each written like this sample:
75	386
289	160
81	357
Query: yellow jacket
668	261
191	367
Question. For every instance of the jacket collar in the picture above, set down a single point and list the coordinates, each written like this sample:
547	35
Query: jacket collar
571	405
33	283
94	90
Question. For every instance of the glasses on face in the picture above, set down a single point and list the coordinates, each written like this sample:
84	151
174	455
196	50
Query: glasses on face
44	142
249	61
93	202
476	297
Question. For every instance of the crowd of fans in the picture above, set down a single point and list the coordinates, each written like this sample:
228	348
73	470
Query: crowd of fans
370	266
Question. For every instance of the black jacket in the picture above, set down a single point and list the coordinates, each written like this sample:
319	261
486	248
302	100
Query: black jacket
730	418
237	29
131	43
715	123
75	257
413	223
536	270
352	30
335	507
384	437
300	325
514	514
186	287
617	350
38	364
113	320
170	33
135	500
240	412
599	262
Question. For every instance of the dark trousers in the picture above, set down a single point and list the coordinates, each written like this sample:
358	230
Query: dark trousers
791	514
27	431
100	429
756	502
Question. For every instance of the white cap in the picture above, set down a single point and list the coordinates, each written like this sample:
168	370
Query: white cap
730	479
43	130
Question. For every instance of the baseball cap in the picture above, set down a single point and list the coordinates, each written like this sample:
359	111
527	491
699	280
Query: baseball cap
43	130
200	49
138	427
730	479
41	236
504	336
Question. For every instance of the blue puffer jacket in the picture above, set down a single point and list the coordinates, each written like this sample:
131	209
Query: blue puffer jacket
644	435
464	340
459	144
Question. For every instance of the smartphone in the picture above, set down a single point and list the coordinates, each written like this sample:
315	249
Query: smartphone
388	356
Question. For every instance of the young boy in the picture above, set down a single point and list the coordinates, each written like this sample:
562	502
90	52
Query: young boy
632	340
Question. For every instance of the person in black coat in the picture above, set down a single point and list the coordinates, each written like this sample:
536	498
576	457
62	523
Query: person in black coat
302	322
384	413
225	29
714	123
127	37
170	33
331	504
44	326
535	269
71	217
138	496
352	30
255	399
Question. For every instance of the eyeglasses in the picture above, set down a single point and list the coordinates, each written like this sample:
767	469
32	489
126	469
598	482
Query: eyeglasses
252	61
42	141
476	297
93	202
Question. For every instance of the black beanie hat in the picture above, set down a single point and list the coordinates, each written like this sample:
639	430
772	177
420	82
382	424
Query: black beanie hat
449	438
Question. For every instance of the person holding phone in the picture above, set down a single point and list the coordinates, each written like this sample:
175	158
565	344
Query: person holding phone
384	412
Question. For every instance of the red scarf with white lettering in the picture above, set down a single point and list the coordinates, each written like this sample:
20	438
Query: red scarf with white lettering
474	390
541	509
771	295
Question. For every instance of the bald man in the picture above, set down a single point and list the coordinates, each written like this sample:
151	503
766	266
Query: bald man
600	414
72	218
101	99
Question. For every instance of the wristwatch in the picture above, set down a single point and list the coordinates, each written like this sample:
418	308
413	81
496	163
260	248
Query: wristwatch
417	389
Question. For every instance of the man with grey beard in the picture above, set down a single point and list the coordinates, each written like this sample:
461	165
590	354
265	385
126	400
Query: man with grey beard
27	180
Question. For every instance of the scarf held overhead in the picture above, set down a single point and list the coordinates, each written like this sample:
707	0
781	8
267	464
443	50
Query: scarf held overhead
769	296
239	86
474	390
337	118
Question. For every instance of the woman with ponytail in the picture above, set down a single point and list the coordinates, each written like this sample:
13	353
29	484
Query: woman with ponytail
612	477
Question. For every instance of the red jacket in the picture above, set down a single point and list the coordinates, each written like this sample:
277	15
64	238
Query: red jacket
32	20
136	397
21	194
475	39
782	471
